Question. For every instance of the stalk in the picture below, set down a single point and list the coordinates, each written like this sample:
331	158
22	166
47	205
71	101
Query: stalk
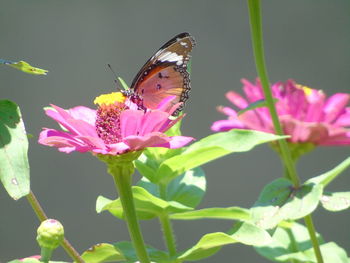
258	48
40	213
122	179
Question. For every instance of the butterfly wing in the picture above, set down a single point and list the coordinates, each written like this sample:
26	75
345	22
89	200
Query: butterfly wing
165	73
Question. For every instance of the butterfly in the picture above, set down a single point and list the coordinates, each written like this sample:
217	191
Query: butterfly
164	74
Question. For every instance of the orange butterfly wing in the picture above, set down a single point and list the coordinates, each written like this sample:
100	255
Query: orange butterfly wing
165	74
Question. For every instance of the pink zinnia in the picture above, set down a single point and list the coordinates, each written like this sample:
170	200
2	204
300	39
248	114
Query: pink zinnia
305	114
115	128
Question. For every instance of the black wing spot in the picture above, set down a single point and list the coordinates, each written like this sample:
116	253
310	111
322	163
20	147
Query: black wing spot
159	86
142	91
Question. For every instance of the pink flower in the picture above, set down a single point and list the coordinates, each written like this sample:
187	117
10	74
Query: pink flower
31	257
115	128
305	114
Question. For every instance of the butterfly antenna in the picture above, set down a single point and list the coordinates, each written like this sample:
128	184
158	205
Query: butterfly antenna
122	86
115	76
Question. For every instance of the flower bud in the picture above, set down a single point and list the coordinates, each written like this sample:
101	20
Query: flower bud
50	234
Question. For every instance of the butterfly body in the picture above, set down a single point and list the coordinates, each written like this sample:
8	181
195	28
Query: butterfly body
164	74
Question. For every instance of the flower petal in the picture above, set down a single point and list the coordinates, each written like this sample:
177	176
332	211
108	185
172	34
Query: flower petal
236	99
227	111
77	127
176	142
252	92
314	112
83	113
339	140
153	121
139	142
130	122
113	149
164	104
334	106
64	141
226	125
344	119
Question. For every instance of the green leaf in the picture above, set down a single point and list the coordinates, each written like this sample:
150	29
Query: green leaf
188	189
250	234
189	66
24	66
14	166
149	162
147	166
293	244
121	251
289	243
207	246
147	205
210	148
102	252
211	243
279	201
123	83
128	251
329	176
335	202
257	104
228	213
331	252
150	187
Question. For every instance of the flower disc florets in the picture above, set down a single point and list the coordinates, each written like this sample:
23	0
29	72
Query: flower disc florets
108	116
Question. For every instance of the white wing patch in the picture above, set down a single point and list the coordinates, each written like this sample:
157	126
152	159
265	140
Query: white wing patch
170	57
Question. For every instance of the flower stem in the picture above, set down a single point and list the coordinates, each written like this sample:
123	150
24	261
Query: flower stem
36	206
312	232
258	47
167	228
45	255
168	234
257	41
39	211
122	180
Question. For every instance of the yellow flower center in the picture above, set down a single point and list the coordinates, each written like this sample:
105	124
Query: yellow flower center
306	89
110	99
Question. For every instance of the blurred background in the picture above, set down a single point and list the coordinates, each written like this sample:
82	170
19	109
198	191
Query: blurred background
305	40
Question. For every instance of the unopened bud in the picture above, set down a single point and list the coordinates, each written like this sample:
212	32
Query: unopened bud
50	234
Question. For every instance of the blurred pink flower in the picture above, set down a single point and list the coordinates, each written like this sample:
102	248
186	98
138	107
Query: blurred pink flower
305	114
31	257
115	128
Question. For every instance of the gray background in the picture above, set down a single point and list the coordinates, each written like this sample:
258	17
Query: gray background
305	40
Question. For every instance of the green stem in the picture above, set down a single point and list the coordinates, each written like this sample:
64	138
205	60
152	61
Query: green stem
258	47
45	255
312	232
122	179
167	228
293	244
168	234
39	211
